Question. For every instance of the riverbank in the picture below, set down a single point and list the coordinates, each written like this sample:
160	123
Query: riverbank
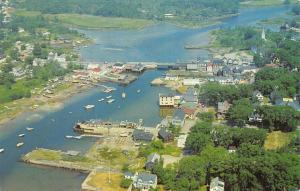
40	103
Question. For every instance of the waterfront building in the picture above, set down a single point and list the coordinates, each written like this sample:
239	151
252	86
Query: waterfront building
166	100
141	135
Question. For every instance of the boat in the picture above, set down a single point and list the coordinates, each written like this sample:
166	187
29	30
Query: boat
69	136
20	144
100	100
110	101
21	135
138	91
29	129
89	106
123	95
77	137
108	97
1	150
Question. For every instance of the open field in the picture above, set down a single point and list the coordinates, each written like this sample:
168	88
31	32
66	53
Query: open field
100	180
98	22
277	140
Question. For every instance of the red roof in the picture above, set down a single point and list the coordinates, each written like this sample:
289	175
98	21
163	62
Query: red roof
96	69
188	111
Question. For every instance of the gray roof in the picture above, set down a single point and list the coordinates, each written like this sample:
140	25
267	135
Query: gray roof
141	135
146	178
128	174
153	157
164	133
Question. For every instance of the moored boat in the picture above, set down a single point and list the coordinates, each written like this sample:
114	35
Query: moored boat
123	95
1	150
20	144
89	106
100	100
138	91
29	129
108	97
21	135
110	101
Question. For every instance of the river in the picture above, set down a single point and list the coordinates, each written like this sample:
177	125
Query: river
159	43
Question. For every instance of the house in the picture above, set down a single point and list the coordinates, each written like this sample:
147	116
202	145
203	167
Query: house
142	135
129	175
178	121
138	68
151	160
255	117
171	77
223	108
189	112
191	82
118	66
181	141
192	66
190	96
258	95
216	185
232	149
166	100
165	135
145	181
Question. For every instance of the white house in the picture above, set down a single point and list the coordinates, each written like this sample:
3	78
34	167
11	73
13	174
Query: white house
191	82
166	100
216	185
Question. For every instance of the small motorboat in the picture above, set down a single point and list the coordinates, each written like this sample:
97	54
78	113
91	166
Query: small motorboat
108	97
89	106
110	101
21	135
29	129
1	150
20	144
69	136
138	91
100	100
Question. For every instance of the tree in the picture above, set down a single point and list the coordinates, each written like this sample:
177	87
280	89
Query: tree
240	111
125	183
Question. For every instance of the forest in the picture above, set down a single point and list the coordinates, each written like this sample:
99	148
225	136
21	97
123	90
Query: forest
147	9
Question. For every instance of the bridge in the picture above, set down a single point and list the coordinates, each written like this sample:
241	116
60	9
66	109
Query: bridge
158	65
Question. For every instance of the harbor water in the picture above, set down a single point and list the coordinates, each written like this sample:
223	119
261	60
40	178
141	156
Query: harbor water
159	43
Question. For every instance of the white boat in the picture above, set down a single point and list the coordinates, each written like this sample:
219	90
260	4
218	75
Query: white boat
20	144
110	101
138	91
29	129
89	106
77	137
123	95
69	136
21	135
1	150
100	100
108	97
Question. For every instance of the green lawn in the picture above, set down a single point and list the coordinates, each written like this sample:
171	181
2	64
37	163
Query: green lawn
98	22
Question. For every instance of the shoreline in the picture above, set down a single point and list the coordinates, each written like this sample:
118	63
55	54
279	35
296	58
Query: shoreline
48	104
